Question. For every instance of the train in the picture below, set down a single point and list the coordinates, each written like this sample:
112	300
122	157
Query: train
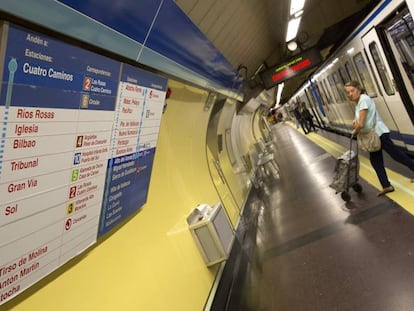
379	53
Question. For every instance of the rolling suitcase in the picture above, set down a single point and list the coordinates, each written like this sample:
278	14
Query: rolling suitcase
347	173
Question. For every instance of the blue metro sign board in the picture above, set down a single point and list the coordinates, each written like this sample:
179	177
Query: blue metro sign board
137	119
78	135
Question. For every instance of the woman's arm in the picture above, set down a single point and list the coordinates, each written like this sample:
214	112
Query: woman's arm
359	125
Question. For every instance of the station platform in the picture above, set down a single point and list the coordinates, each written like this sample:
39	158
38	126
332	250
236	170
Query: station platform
300	247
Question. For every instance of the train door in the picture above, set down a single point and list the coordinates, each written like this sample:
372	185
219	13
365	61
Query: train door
388	65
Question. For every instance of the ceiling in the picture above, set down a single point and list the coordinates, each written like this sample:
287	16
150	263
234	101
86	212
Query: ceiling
250	33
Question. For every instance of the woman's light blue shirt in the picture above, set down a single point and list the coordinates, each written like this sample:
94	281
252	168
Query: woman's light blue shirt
366	103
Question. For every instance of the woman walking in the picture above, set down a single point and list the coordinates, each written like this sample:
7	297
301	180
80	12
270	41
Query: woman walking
366	118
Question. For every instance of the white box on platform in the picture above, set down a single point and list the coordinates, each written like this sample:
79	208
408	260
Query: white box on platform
212	231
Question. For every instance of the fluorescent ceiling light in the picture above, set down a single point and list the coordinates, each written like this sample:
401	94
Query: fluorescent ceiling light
258	69
279	92
293	27
297	14
296	6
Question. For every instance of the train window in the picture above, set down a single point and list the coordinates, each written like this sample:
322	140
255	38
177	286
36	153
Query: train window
350	70
363	73
382	72
322	93
339	86
311	96
410	39
402	33
344	75
328	96
333	89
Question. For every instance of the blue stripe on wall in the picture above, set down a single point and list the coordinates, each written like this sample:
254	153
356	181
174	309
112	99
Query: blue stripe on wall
173	34
174	45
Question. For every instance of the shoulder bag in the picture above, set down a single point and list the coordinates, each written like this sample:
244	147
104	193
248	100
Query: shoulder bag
369	141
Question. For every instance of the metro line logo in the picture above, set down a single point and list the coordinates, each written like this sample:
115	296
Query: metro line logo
68	224
70	208
77	158
87	84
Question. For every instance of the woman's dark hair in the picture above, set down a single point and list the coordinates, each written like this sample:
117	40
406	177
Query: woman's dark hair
356	85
